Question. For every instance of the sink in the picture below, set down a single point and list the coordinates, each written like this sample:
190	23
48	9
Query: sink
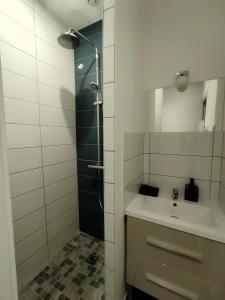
187	216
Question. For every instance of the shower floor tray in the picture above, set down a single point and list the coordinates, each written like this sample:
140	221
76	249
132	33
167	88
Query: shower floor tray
69	276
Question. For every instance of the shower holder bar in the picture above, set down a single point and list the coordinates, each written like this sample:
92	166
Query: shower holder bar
96	167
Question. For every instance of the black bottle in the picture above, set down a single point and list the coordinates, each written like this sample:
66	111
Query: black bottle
191	191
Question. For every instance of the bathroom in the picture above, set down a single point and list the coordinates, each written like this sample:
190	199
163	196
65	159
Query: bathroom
81	133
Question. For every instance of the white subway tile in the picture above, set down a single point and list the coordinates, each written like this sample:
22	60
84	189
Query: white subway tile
198	167
27	203
109	255
51	76
58	172
50	56
17	61
61	223
108	32
109	282
57	135
56	154
222	178
108	4
109	227
24	159
30	245
133	168
214	192
217	143
109	134
56	117
109	170
23	88
16	35
55	97
21	112
194	143
18	11
146	163
216	166
146	179
56	244
109	101
24	182
21	136
29	224
59	189
146	143
133	144
108	74
32	266
109	198
60	206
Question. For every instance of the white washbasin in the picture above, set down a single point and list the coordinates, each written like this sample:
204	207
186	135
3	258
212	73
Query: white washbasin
182	215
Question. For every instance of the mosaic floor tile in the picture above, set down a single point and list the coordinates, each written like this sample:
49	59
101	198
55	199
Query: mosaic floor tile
69	275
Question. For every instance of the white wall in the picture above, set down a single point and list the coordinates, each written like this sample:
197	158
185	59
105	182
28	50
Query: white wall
129	109
38	89
183	35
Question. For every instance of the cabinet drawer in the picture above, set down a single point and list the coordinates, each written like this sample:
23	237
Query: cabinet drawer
187	253
166	283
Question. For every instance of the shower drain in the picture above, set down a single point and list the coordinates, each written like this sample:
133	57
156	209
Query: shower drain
92	259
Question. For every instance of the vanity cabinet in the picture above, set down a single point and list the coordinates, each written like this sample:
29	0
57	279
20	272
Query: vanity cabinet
173	265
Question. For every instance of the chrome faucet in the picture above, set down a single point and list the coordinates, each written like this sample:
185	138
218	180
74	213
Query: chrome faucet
175	193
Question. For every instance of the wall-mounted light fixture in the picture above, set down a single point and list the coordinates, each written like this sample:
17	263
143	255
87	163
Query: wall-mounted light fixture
93	2
182	80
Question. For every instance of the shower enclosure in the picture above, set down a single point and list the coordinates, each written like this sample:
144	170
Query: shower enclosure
53	119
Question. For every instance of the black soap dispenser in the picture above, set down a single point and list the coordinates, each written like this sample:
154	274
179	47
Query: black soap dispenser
191	191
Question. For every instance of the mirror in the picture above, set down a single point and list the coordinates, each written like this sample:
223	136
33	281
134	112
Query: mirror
198	108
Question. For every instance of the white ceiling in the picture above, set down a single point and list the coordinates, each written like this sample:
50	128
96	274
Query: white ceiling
74	13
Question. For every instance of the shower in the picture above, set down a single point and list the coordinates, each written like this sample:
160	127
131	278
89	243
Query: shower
71	40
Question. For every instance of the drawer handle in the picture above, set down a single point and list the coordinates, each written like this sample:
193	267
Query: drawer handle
174	249
171	287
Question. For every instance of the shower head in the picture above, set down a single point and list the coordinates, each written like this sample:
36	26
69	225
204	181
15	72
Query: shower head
94	86
69	39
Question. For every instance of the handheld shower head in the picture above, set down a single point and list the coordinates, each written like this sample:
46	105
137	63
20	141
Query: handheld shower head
94	86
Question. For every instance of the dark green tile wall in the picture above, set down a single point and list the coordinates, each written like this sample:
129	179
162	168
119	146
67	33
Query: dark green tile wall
90	182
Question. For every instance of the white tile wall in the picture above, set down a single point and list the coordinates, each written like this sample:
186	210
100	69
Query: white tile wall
109	103
23	88
108	73
59	189
26	181
21	136
27	247
27	203
175	157
109	144
109	227
182	143
24	159
56	154
109	134
17	61
109	163
109	198
38	86
21	112
108	4
29	224
108	33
